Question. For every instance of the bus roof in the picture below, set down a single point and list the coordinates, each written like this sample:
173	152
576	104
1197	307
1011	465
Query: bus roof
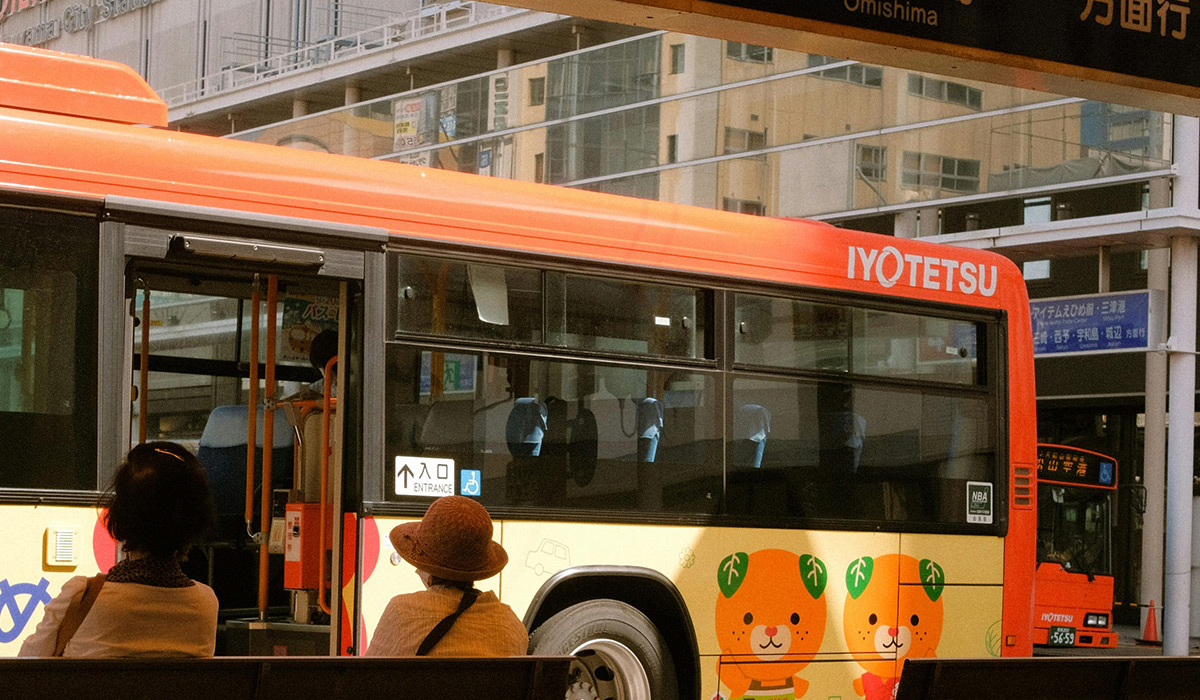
63	83
56	153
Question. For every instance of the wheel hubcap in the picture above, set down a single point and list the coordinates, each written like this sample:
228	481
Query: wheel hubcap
605	669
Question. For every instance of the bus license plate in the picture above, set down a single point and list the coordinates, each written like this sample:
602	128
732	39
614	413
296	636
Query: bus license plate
1061	637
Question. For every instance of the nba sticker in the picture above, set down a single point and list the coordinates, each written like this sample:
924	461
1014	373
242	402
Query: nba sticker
979	502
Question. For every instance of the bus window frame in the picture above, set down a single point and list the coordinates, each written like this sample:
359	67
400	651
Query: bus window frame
719	338
86	336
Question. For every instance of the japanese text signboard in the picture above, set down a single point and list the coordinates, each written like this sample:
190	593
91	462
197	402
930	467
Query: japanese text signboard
1137	52
1119	322
1152	39
1071	465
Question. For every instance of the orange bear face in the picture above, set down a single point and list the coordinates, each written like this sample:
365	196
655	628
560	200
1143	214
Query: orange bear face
770	618
885	622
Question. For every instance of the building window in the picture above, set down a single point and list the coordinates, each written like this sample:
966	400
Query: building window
677	59
539	167
673	148
942	172
871	162
945	91
870	76
751	53
537	91
741	140
1036	210
742	206
1036	270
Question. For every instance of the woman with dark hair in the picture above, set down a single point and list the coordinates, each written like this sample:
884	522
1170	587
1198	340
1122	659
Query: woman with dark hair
159	505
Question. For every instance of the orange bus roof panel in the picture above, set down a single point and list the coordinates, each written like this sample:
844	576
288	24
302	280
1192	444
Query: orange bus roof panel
63	83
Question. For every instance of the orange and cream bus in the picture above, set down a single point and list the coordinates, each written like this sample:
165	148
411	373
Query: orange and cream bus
1073	599
728	455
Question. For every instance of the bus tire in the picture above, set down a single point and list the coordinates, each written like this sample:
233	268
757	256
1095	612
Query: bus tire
620	653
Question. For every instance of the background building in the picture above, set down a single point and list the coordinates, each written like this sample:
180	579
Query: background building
1079	192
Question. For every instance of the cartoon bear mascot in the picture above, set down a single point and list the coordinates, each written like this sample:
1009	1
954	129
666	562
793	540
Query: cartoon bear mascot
880	633
770	622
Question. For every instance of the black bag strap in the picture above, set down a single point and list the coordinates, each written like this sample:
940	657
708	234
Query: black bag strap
435	635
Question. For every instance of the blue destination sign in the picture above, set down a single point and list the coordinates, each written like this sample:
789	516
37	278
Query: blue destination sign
1120	322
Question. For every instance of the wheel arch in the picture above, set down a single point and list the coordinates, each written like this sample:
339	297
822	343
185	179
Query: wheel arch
647	590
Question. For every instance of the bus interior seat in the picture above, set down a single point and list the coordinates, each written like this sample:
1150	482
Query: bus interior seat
409	420
526	427
222	451
751	423
449	427
649	428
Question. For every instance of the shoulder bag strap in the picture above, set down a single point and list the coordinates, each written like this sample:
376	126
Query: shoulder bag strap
435	635
76	611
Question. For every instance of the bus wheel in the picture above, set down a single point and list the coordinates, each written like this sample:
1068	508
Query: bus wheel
619	653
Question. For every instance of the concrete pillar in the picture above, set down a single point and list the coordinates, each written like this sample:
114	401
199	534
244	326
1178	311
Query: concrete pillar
1181	402
1105	265
906	224
1154	471
352	94
505	58
1177	588
928	222
299	107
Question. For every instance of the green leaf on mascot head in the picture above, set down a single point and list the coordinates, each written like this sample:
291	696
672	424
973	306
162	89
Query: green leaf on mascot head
933	579
858	575
732	572
812	572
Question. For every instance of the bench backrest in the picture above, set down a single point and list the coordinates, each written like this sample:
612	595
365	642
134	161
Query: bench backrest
286	678
1051	678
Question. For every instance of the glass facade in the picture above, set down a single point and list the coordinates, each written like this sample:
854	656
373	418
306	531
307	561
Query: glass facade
748	128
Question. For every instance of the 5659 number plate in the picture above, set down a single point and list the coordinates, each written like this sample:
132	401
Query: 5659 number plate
1061	637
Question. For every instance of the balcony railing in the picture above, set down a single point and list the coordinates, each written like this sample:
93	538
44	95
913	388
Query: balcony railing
401	29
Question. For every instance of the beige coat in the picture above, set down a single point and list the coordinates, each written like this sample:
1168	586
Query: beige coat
132	619
487	628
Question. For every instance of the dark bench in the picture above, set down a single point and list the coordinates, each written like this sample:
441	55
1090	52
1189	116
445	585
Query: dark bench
285	678
1059	678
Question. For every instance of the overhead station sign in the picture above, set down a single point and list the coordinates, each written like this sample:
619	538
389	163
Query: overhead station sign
1127	51
1094	323
1155	39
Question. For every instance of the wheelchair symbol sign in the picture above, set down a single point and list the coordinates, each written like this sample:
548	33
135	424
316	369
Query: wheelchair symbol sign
470	482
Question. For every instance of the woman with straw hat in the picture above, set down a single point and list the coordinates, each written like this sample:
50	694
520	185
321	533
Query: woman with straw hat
451	547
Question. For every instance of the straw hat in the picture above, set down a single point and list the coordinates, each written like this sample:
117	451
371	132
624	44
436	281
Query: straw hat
453	541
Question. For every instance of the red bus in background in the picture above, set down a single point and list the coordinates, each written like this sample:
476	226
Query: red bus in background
1073	594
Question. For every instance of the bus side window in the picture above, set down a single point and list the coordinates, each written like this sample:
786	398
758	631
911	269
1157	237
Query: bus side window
751	423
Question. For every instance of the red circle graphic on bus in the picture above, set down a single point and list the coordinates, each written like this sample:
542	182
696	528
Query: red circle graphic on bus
370	547
104	547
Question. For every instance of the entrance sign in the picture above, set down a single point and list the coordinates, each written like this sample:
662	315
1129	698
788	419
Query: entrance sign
1097	323
431	477
1138	52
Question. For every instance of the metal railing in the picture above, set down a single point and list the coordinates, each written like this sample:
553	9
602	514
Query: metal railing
400	29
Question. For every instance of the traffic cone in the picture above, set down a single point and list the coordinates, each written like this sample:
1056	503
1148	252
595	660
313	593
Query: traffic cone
1151	635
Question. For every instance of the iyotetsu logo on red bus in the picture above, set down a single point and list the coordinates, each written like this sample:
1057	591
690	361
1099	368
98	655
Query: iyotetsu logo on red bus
889	267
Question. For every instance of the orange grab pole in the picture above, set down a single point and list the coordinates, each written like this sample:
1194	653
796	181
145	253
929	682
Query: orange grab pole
252	430
326	405
144	366
268	441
